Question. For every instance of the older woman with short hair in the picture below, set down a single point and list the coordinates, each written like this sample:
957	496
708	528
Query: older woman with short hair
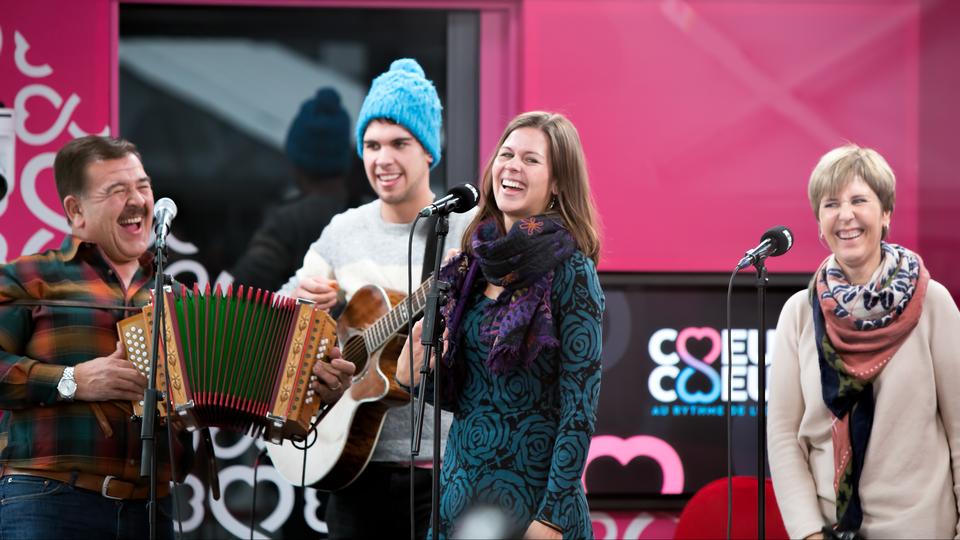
864	423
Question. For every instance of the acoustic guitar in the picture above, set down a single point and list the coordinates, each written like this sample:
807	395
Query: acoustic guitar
367	331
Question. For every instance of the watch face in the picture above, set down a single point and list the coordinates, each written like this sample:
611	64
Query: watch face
67	387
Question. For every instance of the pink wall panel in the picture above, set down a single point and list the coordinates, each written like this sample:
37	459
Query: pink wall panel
938	141
703	119
499	73
55	69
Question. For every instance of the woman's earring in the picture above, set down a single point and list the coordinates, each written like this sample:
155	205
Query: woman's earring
822	241
884	232
553	202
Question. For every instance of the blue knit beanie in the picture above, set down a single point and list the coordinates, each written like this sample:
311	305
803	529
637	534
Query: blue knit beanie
405	96
318	141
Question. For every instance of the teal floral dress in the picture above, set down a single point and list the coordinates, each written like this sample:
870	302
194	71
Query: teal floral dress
519	440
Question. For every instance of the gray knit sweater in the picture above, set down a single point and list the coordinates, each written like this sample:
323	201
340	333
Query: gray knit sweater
359	248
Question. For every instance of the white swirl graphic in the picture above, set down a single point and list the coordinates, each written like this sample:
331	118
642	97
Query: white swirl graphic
28	181
637	526
244	473
310	506
610	528
195	503
76	132
36	242
21	114
181	246
229	452
190	267
20	57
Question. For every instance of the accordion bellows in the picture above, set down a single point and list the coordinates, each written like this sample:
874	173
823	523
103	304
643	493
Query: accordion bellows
239	360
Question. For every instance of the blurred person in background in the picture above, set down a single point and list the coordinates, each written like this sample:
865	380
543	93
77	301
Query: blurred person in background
319	149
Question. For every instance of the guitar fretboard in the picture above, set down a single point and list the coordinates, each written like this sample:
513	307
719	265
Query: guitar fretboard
385	327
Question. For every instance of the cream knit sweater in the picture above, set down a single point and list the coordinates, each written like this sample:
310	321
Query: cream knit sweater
911	473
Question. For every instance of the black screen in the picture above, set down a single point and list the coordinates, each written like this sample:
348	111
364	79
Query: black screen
661	427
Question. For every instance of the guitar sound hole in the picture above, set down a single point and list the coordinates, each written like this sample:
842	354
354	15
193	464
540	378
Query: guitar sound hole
355	351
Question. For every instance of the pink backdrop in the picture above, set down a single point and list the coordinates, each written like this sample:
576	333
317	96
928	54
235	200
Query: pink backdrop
702	120
55	63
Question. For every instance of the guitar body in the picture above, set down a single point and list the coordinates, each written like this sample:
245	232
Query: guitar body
348	434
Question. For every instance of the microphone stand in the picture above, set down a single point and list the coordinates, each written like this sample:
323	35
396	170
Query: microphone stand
761	284
433	326
148	453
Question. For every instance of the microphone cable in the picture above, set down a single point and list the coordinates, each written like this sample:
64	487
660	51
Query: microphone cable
253	502
167	406
413	420
729	403
308	443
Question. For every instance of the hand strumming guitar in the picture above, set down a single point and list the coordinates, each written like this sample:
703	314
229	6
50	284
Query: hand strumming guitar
319	290
403	361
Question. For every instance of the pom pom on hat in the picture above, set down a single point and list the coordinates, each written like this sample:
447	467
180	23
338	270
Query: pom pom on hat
404	94
318	141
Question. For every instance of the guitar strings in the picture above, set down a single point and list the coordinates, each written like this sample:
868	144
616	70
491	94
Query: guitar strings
354	348
358	347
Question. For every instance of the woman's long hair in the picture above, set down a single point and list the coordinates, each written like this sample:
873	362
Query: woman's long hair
568	167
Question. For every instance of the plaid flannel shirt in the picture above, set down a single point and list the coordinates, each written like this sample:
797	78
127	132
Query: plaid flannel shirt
37	429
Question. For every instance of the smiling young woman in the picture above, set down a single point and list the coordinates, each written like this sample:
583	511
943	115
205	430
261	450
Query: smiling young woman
522	363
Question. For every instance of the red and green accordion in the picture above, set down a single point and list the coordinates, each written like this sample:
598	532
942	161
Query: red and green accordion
239	360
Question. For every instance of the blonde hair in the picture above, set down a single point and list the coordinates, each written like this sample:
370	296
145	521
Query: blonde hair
568	165
840	166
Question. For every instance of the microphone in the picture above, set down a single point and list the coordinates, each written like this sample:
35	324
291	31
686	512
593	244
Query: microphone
163	213
775	242
3	186
459	199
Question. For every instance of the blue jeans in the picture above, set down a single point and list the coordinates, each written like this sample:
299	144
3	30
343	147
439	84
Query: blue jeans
37	508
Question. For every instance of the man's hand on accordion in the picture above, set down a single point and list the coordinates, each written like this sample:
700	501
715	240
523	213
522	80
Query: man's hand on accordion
320	290
109	377
335	377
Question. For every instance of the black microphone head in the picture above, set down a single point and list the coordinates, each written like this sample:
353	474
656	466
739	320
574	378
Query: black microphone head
466	194
3	186
780	237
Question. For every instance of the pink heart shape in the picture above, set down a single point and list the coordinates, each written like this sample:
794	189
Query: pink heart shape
626	450
698	334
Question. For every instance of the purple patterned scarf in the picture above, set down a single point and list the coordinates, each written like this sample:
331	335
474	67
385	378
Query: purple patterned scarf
522	262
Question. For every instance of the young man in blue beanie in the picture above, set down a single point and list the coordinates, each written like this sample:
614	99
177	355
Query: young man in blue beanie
318	147
398	137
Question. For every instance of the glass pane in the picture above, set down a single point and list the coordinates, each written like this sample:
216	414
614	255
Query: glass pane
208	94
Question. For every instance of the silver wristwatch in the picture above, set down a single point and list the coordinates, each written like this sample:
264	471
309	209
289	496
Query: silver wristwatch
67	387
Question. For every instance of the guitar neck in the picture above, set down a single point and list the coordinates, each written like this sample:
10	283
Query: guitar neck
396	319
